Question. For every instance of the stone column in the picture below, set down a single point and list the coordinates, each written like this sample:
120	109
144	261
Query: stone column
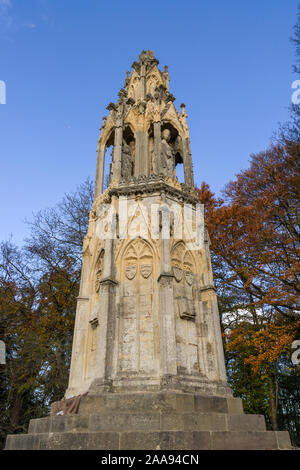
143	82
167	319
106	325
215	364
76	379
118	152
166	77
157	147
141	153
187	161
77	371
100	170
218	336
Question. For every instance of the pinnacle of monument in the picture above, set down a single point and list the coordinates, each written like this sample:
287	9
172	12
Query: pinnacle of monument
148	135
146	59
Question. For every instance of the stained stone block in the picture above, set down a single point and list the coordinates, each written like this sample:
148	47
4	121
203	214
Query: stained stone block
193	422
211	404
77	422
165	440
22	442
170	401
68	441
128	402
152	440
39	425
103	441
244	440
184	403
125	422
59	423
235	405
283	440
241	422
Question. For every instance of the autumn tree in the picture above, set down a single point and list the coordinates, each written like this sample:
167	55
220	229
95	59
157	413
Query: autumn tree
38	288
254	233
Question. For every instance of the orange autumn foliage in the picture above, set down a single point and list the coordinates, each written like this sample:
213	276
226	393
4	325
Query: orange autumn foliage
265	345
254	231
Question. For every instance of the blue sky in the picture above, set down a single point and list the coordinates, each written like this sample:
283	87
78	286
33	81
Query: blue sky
63	61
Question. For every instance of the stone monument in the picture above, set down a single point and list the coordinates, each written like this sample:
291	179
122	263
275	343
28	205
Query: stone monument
147	368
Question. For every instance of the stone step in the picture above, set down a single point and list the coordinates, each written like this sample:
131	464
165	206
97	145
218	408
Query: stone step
169	401
159	421
152	440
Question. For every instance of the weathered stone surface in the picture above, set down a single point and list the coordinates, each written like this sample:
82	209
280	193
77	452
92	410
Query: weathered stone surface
161	401
234	405
22	442
136	402
283	440
142	331
104	441
155	420
152	421
179	440
193	421
39	425
125	422
152	440
243	422
70	441
197	437
244	440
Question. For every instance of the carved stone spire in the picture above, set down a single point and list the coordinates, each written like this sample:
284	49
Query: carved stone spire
144	113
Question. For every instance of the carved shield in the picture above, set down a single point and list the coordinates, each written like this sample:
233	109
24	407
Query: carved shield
177	273
130	271
146	270
189	277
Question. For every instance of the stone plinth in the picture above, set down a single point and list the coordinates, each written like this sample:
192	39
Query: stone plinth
152	421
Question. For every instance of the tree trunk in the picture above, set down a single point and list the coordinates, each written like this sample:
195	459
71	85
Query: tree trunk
274	403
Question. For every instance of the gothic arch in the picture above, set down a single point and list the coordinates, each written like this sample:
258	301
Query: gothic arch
137	256
181	256
125	244
153	82
109	138
172	128
128	132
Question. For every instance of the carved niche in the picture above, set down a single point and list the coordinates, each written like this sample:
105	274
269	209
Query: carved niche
137	350
167	154
185	309
128	151
182	266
